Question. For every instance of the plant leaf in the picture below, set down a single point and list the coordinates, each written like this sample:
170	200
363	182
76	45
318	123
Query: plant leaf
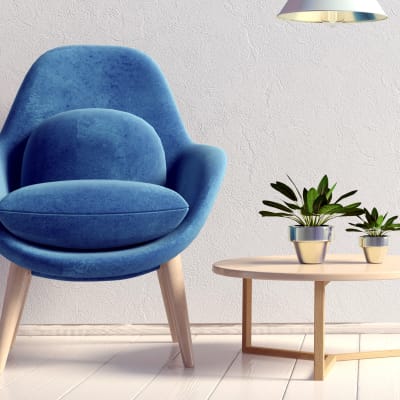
329	193
362	226
353	230
294	185
368	216
350	206
312	195
292	206
285	190
380	220
273	214
390	220
348	194
354	212
318	203
277	205
323	185
305	191
331	209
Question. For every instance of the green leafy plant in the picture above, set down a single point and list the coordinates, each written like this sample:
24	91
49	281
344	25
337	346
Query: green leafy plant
374	224
313	207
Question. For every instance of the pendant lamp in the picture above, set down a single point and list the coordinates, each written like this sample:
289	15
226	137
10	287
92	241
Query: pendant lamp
332	11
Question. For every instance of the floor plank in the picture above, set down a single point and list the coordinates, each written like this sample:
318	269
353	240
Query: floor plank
252	376
45	368
341	382
379	377
212	357
128	372
150	367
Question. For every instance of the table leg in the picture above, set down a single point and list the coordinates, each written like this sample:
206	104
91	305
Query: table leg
322	362
319	330
246	317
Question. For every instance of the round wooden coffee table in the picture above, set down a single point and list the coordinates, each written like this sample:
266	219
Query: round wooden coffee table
339	267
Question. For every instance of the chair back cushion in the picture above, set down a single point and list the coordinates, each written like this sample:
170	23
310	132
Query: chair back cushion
93	144
92	214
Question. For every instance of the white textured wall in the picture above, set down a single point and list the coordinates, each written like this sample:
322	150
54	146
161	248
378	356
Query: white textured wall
279	98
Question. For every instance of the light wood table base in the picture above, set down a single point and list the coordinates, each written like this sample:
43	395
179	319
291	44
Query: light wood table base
322	362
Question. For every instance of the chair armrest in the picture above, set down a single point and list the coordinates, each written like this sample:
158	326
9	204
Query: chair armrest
197	176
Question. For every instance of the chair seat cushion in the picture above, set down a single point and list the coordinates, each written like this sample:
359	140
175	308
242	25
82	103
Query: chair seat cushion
92	214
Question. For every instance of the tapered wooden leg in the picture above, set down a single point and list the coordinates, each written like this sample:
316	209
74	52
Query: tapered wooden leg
14	299
246	314
319	331
172	277
167	304
19	317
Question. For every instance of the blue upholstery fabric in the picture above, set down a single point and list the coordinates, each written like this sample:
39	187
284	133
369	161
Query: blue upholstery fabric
92	214
93	144
117	78
73	77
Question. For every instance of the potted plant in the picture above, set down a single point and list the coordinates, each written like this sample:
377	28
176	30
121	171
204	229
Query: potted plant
374	242
311	210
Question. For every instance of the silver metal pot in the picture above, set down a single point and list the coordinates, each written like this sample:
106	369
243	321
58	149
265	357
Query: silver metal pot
375	248
310	242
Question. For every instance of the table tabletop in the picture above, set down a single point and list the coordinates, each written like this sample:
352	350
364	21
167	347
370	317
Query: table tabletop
337	267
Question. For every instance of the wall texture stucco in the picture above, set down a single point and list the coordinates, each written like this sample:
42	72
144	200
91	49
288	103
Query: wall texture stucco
279	98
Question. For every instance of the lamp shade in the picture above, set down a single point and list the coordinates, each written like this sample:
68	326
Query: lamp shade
332	11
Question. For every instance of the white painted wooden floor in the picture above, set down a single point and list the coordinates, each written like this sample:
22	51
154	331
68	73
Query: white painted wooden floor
149	367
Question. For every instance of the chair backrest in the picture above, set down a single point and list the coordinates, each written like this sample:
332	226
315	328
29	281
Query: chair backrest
77	77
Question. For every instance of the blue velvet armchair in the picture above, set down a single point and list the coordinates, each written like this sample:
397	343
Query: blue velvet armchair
100	180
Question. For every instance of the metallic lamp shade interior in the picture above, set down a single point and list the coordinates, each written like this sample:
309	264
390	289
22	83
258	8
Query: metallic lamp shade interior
332	11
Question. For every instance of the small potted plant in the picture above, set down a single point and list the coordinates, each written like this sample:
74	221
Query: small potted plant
311	210
374	242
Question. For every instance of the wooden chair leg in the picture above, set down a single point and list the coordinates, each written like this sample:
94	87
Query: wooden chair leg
167	304
171	276
19	317
14	299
